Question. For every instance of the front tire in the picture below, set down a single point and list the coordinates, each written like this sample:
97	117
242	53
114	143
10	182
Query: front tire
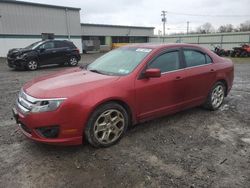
107	125
32	65
216	96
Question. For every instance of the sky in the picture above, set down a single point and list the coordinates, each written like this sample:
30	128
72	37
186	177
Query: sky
148	12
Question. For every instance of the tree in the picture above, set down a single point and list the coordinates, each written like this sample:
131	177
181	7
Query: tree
205	28
245	26
226	28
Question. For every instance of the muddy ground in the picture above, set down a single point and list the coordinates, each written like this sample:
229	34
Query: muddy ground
194	148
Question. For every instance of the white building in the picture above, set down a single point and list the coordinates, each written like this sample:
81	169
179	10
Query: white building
22	23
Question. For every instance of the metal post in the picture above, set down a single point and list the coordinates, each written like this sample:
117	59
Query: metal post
187	27
221	41
164	20
67	23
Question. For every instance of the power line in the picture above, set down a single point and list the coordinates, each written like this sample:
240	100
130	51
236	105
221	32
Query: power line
210	15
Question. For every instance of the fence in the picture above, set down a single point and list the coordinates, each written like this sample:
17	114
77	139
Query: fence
224	40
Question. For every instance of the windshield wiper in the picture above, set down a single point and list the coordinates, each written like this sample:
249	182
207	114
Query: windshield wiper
96	71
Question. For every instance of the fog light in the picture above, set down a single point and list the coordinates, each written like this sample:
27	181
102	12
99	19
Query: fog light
49	132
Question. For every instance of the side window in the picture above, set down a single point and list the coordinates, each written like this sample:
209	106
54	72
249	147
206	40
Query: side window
60	44
47	45
166	62
194	58
208	59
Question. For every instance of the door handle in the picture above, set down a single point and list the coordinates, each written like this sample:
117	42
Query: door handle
53	51
212	70
178	78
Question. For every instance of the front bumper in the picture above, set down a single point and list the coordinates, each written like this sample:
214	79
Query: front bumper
16	63
29	124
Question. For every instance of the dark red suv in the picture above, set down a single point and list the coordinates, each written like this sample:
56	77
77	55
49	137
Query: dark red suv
124	87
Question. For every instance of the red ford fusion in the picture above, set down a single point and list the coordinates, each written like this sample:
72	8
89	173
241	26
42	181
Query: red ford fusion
126	86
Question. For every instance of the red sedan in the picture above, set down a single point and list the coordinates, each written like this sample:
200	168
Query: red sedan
123	87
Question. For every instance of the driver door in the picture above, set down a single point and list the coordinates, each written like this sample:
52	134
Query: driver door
47	53
159	96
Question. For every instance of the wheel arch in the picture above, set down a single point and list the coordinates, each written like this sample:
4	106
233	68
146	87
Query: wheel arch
120	102
225	84
222	80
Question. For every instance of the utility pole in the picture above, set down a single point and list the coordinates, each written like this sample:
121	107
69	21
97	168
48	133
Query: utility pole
187	27
164	20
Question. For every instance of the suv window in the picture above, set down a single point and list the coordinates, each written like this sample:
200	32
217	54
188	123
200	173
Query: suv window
166	62
70	44
60	44
194	58
47	45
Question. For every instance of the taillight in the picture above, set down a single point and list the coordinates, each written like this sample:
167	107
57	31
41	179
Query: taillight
78	50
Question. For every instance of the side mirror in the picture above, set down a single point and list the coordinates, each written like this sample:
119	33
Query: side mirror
152	73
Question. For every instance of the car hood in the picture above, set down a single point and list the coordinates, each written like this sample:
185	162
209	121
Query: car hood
67	83
18	51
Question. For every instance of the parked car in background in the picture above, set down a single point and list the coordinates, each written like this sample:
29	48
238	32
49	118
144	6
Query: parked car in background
125	86
44	53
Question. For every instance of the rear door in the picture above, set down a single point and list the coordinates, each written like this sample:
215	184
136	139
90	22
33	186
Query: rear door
158	96
62	49
200	75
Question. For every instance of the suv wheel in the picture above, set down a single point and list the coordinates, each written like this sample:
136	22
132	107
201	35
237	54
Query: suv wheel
32	65
73	61
106	125
216	96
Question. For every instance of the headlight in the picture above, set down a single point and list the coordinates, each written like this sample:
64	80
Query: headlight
22	56
46	105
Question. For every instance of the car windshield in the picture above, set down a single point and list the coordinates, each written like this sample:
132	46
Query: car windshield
121	61
33	46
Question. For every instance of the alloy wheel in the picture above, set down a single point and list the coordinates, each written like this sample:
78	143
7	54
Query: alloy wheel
32	65
73	61
109	126
218	96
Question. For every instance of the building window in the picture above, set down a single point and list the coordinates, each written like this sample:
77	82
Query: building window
120	39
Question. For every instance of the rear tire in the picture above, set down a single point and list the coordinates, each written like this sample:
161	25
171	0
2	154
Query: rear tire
106	125
73	61
216	96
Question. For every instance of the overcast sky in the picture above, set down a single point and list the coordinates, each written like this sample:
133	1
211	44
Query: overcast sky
148	12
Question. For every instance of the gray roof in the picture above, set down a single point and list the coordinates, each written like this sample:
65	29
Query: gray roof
37	4
121	26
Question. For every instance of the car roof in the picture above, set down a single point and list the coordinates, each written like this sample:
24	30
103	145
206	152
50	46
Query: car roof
162	45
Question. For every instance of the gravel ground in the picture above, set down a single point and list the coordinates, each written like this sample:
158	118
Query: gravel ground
193	148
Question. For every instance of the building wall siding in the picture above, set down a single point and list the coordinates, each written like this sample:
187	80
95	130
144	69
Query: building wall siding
30	19
89	30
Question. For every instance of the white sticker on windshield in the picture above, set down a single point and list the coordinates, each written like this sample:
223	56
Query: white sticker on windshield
123	71
146	50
